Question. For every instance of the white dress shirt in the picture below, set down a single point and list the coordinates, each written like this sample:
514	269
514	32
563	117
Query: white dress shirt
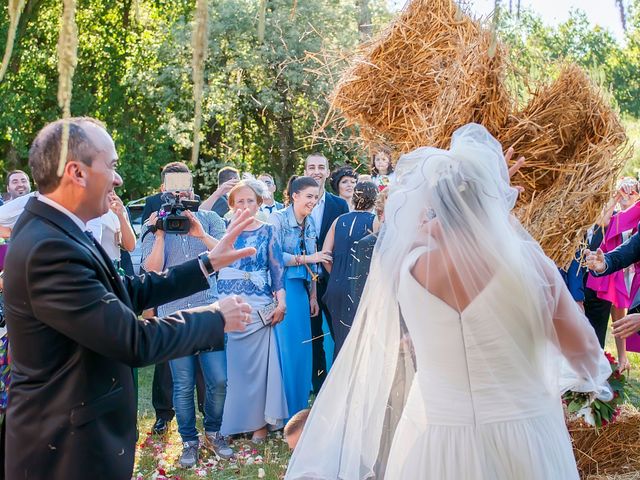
52	203
318	212
11	211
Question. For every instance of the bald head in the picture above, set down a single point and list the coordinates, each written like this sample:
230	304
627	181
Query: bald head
86	137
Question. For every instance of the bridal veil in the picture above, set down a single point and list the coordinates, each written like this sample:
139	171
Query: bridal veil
456	205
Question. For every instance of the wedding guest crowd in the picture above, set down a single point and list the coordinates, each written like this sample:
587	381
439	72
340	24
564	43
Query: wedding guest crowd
266	374
303	281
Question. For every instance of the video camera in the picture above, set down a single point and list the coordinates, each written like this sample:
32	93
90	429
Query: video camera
171	218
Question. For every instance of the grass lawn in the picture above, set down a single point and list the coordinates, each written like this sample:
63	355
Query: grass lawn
157	456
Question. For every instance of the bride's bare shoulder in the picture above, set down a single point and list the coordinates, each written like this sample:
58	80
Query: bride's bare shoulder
428	267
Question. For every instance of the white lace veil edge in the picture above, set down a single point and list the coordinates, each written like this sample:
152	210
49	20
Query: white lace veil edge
454	205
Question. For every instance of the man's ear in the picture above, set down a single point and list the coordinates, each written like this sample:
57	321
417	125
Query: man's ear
75	173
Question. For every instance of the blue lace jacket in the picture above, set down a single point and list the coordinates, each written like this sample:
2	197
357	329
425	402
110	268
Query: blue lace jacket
290	234
268	258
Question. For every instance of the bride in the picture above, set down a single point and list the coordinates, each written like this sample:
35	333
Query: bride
496	335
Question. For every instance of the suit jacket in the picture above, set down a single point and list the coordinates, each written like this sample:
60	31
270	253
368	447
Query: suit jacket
363	249
153	203
334	206
75	334
625	255
221	207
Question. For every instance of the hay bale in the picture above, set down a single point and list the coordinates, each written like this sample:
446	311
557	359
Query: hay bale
575	148
614	450
426	75
431	72
624	476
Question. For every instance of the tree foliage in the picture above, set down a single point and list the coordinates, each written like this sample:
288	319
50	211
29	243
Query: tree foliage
263	98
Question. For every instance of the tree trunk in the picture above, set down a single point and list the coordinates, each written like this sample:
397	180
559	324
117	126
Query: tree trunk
12	160
286	146
623	15
364	20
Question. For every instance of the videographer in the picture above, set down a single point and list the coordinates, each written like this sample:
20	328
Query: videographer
163	249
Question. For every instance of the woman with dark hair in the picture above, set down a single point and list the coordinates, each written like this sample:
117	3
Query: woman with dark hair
381	167
344	232
297	234
343	181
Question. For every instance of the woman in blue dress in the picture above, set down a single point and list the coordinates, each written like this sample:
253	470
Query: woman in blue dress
344	232
255	395
298	234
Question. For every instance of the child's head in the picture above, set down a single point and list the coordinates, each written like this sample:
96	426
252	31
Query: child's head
294	427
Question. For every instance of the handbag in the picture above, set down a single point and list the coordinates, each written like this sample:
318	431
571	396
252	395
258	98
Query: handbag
265	313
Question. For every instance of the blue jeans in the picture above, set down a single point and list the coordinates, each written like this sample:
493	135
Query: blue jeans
214	370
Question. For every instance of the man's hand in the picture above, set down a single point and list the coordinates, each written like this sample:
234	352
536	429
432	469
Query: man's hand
227	186
195	229
595	261
627	325
236	313
224	253
151	221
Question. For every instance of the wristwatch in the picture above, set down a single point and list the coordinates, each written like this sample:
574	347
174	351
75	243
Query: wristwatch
205	263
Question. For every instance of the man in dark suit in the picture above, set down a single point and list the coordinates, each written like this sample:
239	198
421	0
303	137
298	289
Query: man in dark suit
73	322
218	201
328	208
601	264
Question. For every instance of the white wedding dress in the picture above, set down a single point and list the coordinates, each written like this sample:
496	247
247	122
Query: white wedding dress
470	414
482	401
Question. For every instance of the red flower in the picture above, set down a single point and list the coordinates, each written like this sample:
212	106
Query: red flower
162	472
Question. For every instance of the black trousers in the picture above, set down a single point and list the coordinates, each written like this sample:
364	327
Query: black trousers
162	391
597	311
319	357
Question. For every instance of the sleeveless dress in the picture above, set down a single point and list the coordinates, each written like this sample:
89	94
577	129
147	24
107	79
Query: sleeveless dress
350	228
469	415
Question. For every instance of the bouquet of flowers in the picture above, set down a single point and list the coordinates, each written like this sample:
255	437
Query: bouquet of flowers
592	410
